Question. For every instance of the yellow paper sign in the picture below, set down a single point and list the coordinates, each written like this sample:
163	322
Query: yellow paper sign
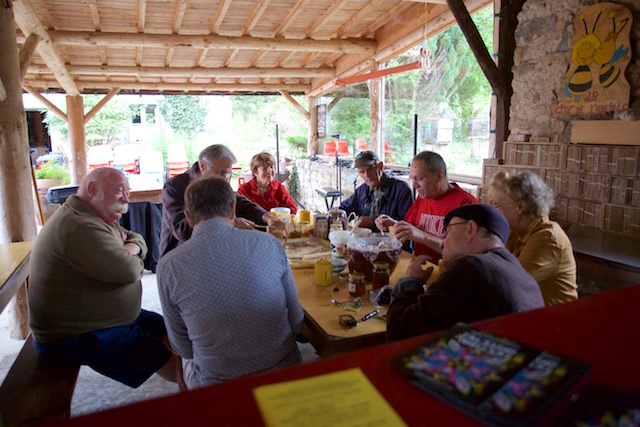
345	398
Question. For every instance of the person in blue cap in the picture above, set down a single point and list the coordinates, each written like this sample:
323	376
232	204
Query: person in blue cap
482	279
380	193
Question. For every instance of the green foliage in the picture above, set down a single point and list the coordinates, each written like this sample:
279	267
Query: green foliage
185	114
292	183
54	171
254	124
297	146
162	139
350	118
104	128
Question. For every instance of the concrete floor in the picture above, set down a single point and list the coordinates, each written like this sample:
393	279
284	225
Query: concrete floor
95	392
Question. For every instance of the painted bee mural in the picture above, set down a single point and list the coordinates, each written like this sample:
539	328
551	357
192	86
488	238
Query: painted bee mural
595	82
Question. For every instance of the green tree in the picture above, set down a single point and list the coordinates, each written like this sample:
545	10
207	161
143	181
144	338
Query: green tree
254	123
184	113
104	128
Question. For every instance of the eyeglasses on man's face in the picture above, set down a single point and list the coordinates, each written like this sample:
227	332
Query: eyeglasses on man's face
446	229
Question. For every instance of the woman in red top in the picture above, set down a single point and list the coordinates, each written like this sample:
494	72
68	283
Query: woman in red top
263	189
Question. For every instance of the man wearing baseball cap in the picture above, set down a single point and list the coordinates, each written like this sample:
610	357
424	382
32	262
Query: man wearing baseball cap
482	278
380	193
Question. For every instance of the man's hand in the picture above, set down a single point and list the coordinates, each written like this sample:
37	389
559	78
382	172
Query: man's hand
404	231
384	221
132	248
243	223
415	268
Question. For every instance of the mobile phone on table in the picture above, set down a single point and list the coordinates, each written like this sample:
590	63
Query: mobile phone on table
348	321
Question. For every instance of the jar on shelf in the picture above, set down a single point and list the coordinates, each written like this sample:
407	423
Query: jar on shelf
356	284
380	275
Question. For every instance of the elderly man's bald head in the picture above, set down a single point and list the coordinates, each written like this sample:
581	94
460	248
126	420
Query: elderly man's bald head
106	191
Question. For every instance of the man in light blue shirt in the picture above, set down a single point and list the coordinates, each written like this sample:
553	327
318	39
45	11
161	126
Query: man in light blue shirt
228	295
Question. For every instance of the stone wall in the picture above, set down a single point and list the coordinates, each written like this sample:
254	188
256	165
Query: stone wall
319	173
542	57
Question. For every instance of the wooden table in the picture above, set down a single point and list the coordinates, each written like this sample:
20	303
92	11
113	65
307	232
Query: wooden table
148	195
14	269
321	317
599	330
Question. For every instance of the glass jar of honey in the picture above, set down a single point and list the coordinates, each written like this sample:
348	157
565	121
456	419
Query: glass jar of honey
356	284
380	275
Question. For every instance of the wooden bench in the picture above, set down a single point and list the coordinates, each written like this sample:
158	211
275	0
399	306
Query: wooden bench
36	389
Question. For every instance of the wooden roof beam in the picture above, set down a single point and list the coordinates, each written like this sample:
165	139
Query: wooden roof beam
84	38
26	53
295	104
113	92
28	22
50	105
479	49
193	72
182	87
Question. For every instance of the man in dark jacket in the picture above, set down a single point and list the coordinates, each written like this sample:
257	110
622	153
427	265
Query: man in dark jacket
380	193
215	160
482	279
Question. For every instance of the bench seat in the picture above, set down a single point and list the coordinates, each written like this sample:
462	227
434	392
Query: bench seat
35	389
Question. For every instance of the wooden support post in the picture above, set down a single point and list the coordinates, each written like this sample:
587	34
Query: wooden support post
26	53
312	145
78	161
16	200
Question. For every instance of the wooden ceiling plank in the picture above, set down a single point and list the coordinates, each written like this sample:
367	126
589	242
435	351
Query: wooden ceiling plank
84	38
291	16
357	17
396	10
202	56
138	56
428	1
330	13
95	16
43	12
230	57
256	15
168	57
142	15
223	8
261	54
90	70
29	23
178	16
103	55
